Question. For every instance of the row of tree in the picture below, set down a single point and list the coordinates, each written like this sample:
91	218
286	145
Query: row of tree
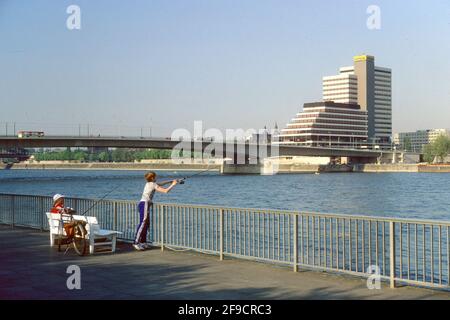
116	155
438	150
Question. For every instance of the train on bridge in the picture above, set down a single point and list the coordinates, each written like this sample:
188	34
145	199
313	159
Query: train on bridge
30	134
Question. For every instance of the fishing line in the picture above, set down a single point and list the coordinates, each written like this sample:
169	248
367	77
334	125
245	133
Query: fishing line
180	181
102	198
197	173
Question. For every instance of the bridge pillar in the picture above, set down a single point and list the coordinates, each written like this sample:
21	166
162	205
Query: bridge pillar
264	167
231	168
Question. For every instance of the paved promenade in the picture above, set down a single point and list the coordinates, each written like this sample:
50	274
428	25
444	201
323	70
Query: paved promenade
30	269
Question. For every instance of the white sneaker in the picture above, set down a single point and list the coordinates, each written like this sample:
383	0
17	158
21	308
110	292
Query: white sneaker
146	245
138	247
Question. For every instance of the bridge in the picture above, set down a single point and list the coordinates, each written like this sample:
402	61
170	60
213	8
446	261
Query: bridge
236	150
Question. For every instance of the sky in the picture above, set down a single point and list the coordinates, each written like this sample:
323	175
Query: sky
157	66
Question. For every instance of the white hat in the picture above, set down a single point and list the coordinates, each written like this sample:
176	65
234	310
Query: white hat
57	197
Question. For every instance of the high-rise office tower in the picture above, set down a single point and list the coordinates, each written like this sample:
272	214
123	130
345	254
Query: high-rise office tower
369	86
342	88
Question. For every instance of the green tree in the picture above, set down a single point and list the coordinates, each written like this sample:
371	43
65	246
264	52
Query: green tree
117	155
441	147
80	155
66	154
122	155
151	154
103	156
428	153
407	144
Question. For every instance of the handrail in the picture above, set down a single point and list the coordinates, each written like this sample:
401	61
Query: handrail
262	210
411	251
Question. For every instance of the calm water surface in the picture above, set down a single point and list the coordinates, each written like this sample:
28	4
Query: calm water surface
408	195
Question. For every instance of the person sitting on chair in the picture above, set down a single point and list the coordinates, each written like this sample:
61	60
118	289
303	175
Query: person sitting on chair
58	207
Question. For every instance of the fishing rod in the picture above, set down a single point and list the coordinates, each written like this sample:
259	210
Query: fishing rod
102	198
161	183
197	173
180	181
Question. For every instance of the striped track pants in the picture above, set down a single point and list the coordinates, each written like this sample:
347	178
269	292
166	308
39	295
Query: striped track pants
144	208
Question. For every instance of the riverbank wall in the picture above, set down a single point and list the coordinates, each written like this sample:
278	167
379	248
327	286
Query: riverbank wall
163	166
435	168
267	168
364	168
385	168
402	168
296	168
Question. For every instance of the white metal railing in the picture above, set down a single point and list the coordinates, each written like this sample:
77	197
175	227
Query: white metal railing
404	250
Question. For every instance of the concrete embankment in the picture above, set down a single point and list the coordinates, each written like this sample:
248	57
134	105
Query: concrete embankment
385	168
298	168
284	168
313	168
269	168
401	168
113	166
434	168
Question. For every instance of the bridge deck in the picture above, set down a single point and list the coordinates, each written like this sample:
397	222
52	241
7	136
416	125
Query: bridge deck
31	269
221	148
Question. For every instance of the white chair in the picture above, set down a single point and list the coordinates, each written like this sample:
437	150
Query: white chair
56	229
93	231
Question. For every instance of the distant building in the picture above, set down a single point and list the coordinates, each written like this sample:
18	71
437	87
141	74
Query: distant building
356	110
414	141
327	124
369	86
342	88
264	136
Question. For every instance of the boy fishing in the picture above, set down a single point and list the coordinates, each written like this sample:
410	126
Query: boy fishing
145	205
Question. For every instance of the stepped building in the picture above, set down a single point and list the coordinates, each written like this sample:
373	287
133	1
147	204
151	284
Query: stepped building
327	124
362	94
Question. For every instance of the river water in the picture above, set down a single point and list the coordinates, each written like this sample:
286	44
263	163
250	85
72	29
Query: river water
407	195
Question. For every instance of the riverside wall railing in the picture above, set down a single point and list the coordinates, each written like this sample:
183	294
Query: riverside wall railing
400	250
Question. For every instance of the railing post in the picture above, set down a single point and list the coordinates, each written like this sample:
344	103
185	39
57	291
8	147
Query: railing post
115	216
76	205
41	212
161	231
13	211
392	253
295	242
221	234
